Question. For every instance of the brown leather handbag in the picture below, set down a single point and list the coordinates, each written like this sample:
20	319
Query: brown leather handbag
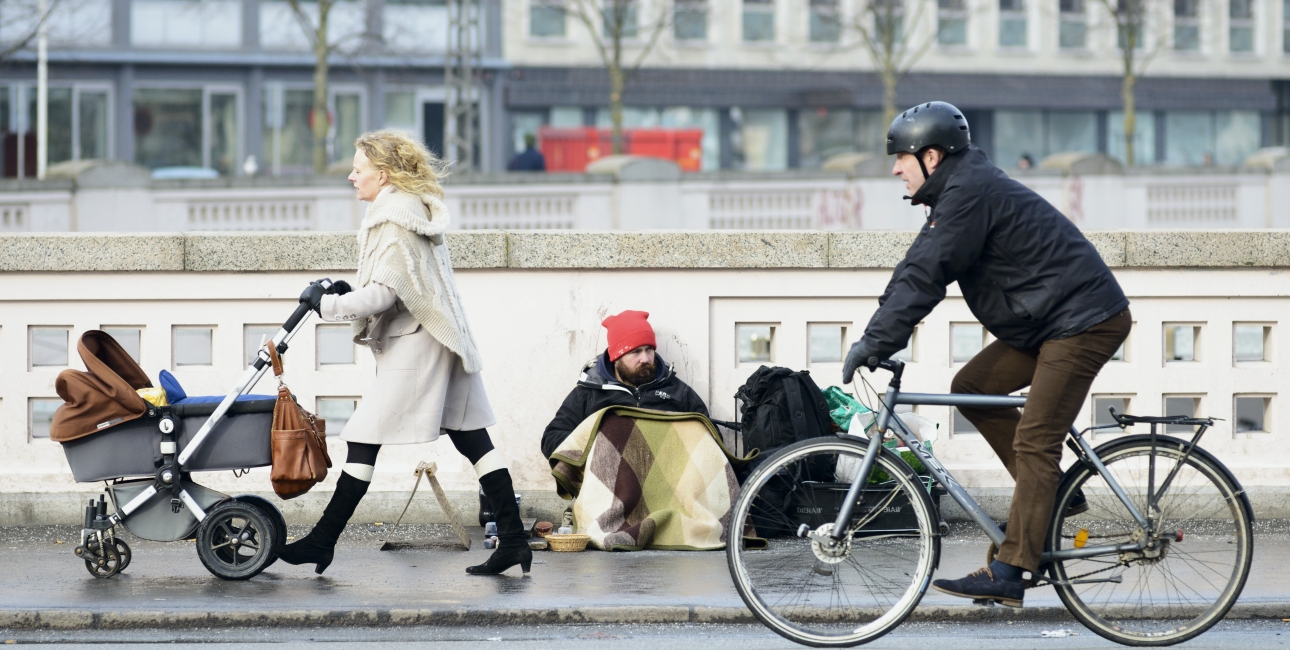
299	442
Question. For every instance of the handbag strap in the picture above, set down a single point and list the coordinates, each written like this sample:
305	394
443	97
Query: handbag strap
274	358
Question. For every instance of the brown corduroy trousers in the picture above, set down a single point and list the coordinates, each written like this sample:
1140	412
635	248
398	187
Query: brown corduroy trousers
1059	374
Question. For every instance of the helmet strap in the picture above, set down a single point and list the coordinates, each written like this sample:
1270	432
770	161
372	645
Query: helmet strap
921	166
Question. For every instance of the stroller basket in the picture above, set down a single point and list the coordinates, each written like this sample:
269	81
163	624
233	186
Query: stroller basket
239	441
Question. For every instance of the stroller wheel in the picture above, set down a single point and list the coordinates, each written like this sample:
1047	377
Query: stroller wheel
102	561
235	541
279	523
122	551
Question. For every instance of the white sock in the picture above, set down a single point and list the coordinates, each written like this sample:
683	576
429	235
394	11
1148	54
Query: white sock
359	471
491	462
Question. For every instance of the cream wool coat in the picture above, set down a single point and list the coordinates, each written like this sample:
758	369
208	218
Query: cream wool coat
408	313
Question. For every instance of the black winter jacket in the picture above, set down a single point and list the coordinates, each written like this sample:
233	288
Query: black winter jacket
1025	270
597	389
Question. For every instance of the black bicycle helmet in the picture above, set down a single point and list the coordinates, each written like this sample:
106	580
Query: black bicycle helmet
934	124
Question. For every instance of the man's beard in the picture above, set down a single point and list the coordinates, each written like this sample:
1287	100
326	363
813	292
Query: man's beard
643	374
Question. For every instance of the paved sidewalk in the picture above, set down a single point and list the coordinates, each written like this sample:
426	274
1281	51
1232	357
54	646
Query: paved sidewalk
45	586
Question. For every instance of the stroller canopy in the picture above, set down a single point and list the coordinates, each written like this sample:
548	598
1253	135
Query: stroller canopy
103	397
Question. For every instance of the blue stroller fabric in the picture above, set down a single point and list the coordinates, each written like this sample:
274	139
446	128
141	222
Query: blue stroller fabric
175	393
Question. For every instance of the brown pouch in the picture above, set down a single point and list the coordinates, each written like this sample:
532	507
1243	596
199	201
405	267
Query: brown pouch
299	442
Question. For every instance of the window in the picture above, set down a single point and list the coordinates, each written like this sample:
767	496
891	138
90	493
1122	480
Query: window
1012	23
826	132
130	338
288	141
1122	353
401	110
78	125
704	119
416	25
1285	28
1182	342
348	109
546	19
186	24
908	354
1250	342
336	411
620	16
759	21
966	340
1240	38
192	346
1102	405
1185	405
40	415
1129	16
961	424
951	23
690	20
187	127
1211	137
1039	134
48	346
825	24
1144	136
1250	413
253	338
1186	25
1072	29
888	20
761	139
827	343
755	343
335	345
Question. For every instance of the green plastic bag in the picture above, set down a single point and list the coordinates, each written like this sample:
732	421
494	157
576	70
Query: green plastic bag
842	407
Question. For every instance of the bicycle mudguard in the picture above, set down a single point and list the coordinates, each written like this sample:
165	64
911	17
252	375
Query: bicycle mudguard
1161	441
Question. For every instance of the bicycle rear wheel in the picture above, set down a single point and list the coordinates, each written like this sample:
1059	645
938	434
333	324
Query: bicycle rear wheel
841	597
1196	561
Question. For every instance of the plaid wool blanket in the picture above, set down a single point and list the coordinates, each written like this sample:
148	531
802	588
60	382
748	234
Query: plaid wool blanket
647	479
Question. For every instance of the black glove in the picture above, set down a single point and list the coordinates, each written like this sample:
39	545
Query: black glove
858	356
339	288
312	296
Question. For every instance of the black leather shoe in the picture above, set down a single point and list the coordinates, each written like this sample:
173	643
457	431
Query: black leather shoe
981	585
1079	504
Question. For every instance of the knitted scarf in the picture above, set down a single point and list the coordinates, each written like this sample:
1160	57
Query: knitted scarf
401	245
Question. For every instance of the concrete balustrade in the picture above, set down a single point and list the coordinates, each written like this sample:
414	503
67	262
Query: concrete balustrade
535	301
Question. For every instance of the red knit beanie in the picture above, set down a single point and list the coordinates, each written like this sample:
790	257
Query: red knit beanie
628	331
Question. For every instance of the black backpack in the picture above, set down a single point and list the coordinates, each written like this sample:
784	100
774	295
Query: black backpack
781	407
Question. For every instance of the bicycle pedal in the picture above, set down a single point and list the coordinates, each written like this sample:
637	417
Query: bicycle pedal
984	602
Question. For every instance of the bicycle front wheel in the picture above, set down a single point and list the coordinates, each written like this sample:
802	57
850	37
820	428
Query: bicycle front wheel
846	595
1197	555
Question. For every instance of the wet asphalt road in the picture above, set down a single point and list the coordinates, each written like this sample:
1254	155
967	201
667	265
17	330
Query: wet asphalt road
1230	635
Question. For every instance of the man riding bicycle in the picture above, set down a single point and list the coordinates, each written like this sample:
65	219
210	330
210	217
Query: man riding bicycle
1035	283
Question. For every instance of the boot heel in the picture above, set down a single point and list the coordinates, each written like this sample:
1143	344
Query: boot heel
524	565
323	563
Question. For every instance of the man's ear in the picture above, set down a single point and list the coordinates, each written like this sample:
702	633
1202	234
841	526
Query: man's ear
932	158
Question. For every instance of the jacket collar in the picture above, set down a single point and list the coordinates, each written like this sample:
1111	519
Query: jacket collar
599	373
931	190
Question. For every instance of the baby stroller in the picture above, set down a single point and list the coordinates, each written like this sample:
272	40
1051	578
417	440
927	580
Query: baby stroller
146	454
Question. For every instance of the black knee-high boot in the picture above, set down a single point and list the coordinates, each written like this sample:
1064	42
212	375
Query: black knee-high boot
318	546
513	545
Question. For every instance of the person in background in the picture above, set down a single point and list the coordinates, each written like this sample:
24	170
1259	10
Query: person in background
1025	162
529	160
628	373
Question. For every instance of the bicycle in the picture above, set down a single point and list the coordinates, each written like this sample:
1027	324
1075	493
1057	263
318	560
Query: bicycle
1159	556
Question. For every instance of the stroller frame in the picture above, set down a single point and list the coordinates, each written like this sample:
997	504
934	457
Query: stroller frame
246	521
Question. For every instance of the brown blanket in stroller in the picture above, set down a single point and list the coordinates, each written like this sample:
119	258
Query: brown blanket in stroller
103	397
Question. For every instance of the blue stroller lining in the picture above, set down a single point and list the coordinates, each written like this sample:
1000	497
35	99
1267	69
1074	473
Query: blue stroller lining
175	393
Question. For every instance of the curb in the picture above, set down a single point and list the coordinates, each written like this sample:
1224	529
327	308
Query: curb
71	619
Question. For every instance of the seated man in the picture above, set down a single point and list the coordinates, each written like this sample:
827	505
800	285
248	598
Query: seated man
628	373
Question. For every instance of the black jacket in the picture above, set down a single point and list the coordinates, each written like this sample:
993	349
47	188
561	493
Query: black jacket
1025	270
597	389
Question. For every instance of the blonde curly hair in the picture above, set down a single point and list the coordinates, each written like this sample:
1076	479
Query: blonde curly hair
410	166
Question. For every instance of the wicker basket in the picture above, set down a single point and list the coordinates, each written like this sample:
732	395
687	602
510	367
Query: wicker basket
568	543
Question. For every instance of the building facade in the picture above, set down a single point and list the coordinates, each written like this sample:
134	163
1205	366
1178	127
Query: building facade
782	84
228	84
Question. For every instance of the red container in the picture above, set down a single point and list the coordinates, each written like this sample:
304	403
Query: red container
571	149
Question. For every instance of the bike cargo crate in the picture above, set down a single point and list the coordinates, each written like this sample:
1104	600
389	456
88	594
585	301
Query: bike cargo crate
818	503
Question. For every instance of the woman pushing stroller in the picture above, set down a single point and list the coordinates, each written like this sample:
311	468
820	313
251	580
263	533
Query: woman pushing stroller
407	311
